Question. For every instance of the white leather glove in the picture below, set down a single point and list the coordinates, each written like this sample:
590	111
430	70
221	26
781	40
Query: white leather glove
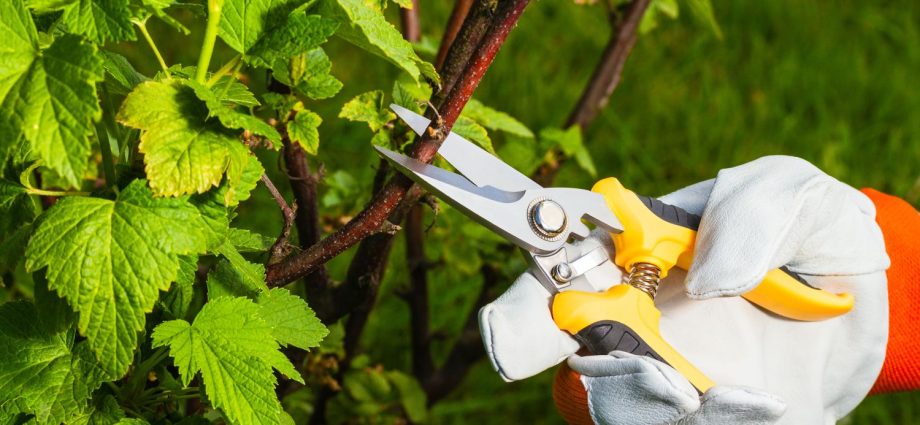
758	216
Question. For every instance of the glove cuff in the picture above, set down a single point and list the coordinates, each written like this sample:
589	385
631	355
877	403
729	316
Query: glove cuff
900	224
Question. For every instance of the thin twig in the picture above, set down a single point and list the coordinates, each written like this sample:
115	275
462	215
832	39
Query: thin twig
280	247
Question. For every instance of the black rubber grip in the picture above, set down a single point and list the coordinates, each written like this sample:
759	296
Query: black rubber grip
670	213
600	338
680	217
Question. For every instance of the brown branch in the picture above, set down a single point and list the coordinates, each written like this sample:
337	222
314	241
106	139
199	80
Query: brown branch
410	24
417	296
424	149
303	183
457	16
467	350
279	248
603	81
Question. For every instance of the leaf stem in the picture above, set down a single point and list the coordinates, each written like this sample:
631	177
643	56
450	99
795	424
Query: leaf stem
210	37
142	26
232	65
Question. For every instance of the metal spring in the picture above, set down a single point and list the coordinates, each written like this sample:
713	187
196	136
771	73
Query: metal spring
645	277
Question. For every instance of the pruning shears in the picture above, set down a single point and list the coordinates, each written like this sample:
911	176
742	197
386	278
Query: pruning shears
650	237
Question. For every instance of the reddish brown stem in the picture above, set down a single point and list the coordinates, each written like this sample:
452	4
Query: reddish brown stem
457	16
410	24
603	81
385	202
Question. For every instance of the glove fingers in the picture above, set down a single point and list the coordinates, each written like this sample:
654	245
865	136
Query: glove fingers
626	389
519	334
763	214
736	405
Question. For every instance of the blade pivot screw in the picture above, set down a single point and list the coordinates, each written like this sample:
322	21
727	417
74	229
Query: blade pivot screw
547	219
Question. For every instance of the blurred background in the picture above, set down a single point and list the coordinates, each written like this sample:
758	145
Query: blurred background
837	83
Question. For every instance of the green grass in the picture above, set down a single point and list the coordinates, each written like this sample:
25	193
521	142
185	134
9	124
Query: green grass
837	83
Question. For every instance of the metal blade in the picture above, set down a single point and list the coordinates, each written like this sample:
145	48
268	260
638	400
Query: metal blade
475	163
504	212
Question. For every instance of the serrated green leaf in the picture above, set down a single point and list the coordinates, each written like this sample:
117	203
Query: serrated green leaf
495	120
411	95
184	152
229	116
472	131
317	81
42	373
411	395
109	260
250	275
177	301
10	192
366	27
569	141
119	72
215	217
304	130
99	20
233	348
244	22
291	319
233	91
248	241
368	107
47	97
299	34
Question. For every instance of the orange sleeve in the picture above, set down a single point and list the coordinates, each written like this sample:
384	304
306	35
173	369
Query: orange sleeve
900	225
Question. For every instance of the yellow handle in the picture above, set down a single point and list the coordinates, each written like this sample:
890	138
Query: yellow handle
574	311
649	239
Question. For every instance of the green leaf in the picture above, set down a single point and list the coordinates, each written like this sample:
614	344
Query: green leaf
248	241
10	192
702	11
266	31
411	95
177	301
370	108
411	395
299	34
318	83
569	141
244	22
366	27
233	348
233	91
292	321
47	97
238	276
42	373
405	4
473	132
109	260
495	120
229	116
184	152
119	72
99	20
304	129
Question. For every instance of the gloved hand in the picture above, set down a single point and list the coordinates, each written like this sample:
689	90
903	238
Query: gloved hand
758	216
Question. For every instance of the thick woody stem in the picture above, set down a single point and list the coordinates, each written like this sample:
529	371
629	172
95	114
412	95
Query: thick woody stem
424	149
603	81
410	23
454	23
